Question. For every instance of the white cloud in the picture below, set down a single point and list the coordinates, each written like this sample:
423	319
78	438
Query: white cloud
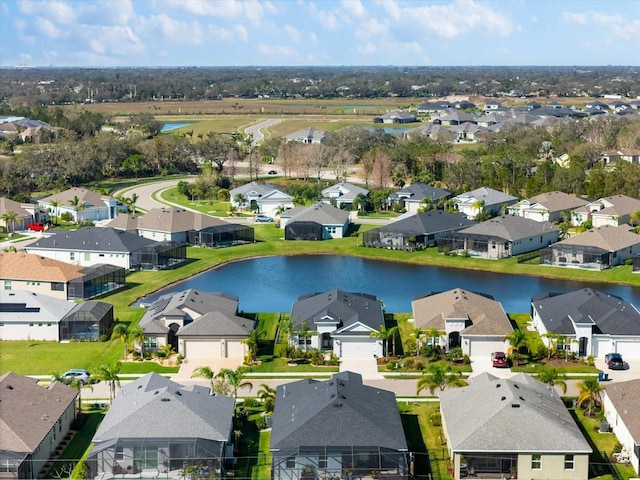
251	10
274	50
46	27
241	33
533	19
165	27
313	38
372	28
628	31
367	49
293	33
579	18
353	8
605	19
327	18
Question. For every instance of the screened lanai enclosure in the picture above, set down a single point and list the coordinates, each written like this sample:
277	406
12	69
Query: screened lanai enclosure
303	231
159	256
476	246
95	281
361	463
221	235
158	458
564	255
87	321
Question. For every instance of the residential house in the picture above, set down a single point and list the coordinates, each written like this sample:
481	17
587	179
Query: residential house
91	246
433	107
636	264
501	237
414	196
320	221
42	275
475	322
550	207
184	226
598	248
455	117
338	321
34	421
27	315
615	210
308	135
343	194
587	322
483	199
396	116
82	204
261	198
468	132
416	230
155	427
465	105
631	155
337	428
432	130
197	324
512	428
26	213
621	404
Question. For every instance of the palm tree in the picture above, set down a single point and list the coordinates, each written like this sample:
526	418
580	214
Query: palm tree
252	343
75	203
439	375
304	333
121	332
516	339
590	389
433	334
234	378
552	340
205	372
132	202
240	199
385	334
552	376
417	333
109	374
136	335
55	204
478	206
10	217
76	384
268	396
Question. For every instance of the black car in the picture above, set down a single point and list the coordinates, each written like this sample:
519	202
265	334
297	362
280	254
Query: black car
614	361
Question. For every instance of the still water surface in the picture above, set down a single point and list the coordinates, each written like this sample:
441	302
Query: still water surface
272	284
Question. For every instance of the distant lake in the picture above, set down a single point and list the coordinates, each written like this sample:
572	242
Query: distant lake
173	126
272	284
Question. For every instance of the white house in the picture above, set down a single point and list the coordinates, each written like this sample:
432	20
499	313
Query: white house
621	403
261	198
82	204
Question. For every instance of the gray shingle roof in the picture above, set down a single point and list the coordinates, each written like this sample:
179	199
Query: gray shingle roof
488	195
510	227
98	239
344	191
321	213
428	223
519	414
345	307
173	219
156	407
417	191
625	396
557	201
32	307
607	237
217	324
85	197
336	412
611	315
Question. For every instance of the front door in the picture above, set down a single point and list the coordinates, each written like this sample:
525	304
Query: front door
172	339
582	348
454	340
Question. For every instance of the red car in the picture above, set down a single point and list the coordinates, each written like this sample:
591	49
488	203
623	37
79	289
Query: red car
36	227
499	359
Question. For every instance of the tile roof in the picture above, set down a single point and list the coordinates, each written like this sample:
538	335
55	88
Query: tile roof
155	407
26	266
336	412
519	414
625	397
510	227
485	316
607	237
610	315
29	411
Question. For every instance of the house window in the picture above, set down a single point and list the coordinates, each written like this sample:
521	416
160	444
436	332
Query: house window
536	461
322	461
290	462
150	342
87	256
7	284
301	341
568	462
72	256
119	455
57	286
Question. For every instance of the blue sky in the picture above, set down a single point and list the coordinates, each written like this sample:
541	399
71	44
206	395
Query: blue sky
322	32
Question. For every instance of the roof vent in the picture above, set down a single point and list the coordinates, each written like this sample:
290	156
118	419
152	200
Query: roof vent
179	393
498	385
9	387
521	398
503	398
165	399
515	405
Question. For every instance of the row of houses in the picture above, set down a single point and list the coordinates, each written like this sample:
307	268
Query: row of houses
157	428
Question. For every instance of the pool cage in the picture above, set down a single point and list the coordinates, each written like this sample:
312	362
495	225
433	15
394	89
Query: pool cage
96	280
303	231
576	256
221	236
159	256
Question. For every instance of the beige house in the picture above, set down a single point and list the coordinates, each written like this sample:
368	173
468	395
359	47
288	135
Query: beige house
621	401
29	436
26	213
614	211
475	322
549	206
512	428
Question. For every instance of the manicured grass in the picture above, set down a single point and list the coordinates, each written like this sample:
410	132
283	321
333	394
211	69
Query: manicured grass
279	365
146	367
262	469
267	325
42	358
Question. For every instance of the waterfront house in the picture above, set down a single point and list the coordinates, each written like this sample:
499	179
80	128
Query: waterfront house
320	221
414	196
621	404
550	207
483	199
82	204
260	198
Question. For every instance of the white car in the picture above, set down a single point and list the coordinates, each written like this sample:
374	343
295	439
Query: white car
262	219
76	373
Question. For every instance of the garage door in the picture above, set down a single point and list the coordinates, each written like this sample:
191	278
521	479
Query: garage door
628	350
359	348
235	349
195	348
601	346
478	348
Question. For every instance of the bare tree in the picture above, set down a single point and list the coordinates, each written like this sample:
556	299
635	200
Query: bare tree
318	156
382	169
366	162
339	162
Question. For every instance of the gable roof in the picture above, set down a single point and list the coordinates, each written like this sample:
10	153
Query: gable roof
625	397
607	237
616	205
488	195
307	135
321	213
85	197
29	411
343	307
97	239
430	222
26	266
418	191
555	201
483	314
519	414
8	205
339	412
259	188
155	407
29	307
610	315
344	191
174	219
217	324
510	227
124	221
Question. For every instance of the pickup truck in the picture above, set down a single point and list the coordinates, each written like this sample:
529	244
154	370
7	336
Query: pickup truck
36	227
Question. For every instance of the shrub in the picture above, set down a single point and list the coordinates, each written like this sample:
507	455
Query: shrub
261	423
250	402
393	365
66	217
455	354
409	364
436	419
419	365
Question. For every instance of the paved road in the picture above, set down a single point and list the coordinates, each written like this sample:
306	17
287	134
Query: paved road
256	130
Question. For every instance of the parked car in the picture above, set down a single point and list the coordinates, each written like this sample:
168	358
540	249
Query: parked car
499	359
614	361
260	218
36	227
76	373
272	172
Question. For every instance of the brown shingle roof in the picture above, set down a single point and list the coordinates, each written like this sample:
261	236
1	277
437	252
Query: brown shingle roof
625	396
84	196
7	205
558	201
607	237
486	316
174	219
27	266
29	411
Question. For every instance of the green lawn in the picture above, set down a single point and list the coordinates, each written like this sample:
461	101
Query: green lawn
262	469
146	367
279	365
